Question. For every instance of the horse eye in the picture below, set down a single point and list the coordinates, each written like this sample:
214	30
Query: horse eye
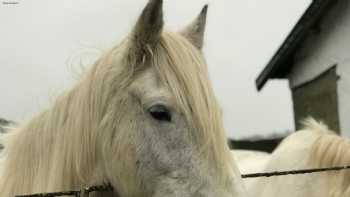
160	113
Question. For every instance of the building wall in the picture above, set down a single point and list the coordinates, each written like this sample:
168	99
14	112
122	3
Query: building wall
318	99
344	97
327	46
324	48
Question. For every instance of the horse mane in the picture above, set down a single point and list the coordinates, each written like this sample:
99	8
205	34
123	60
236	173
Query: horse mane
314	125
192	89
39	156
330	150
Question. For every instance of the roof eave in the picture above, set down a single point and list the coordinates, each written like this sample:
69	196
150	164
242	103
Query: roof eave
280	62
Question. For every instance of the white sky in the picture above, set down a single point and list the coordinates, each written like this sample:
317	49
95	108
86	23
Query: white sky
44	42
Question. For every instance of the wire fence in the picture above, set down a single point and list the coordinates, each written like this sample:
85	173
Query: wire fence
294	172
86	191
77	193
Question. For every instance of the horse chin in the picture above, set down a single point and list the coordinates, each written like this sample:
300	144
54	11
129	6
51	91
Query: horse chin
107	194
112	192
173	187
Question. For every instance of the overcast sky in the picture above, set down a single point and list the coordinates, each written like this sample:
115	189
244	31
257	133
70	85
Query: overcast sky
43	44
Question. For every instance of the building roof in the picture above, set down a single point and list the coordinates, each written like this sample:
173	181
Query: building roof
281	63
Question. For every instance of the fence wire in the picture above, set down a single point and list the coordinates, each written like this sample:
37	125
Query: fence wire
294	172
86	191
77	193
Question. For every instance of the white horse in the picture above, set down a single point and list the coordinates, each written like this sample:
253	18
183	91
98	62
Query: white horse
313	147
144	119
250	161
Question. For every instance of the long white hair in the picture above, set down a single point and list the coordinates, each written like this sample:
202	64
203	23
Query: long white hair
58	148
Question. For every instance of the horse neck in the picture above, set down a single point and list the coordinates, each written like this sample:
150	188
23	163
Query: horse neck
54	151
331	150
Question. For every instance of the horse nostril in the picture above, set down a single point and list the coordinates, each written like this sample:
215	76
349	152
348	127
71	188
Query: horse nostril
178	175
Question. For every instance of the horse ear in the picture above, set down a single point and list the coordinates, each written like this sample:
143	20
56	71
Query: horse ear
149	25
194	32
